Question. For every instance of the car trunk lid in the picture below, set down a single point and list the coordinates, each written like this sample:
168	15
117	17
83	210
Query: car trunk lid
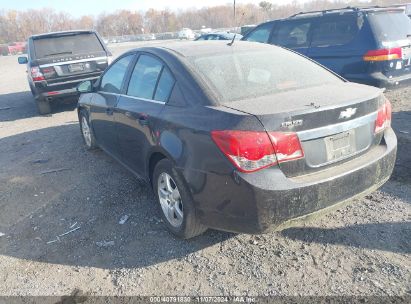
333	122
61	67
64	55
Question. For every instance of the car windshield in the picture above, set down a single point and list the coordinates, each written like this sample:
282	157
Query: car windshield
249	74
390	26
69	44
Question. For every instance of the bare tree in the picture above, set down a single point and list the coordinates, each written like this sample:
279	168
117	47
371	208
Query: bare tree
18	25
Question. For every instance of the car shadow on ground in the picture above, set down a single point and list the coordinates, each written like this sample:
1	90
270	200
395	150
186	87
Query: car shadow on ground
15	106
88	190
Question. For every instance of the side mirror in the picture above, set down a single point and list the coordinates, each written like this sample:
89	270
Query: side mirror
85	87
22	60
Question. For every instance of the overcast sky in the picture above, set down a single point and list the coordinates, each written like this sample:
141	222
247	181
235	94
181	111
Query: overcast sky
94	7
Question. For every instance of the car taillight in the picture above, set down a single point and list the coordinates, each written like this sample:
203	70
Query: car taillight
287	146
49	71
36	74
251	151
383	117
383	54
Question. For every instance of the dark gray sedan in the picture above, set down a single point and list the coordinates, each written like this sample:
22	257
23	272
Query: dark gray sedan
242	137
219	36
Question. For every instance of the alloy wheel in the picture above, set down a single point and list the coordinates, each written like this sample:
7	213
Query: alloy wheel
170	200
85	128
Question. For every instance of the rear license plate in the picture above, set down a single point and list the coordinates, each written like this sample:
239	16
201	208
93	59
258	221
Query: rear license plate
76	67
340	145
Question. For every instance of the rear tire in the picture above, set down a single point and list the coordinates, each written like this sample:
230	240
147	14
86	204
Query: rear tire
43	106
86	130
181	222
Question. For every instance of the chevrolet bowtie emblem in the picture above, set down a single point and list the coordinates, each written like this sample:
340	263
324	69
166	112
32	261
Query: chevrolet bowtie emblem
347	113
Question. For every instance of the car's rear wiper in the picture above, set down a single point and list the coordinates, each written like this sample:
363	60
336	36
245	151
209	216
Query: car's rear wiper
60	53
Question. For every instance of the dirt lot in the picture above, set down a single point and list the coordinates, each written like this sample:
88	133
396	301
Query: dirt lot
363	249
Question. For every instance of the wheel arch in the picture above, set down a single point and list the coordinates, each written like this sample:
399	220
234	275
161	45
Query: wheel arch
154	158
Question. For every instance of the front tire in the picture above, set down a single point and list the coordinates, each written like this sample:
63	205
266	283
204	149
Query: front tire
176	205
86	130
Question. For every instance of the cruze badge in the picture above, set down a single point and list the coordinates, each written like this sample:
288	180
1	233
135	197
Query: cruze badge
293	123
347	113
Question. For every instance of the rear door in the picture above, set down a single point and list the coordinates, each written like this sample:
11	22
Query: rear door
104	101
138	110
293	34
339	42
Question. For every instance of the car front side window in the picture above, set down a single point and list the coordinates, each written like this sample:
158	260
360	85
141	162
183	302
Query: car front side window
261	33
292	34
112	80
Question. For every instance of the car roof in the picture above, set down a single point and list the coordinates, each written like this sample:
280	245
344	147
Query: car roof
205	48
62	33
339	11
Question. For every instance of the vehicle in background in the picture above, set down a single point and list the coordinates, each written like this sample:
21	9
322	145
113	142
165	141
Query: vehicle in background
4	50
241	137
148	37
365	45
166	36
245	29
16	48
206	30
186	33
58	62
219	36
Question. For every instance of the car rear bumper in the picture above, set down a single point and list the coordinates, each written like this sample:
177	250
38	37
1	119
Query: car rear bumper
382	81
267	199
60	89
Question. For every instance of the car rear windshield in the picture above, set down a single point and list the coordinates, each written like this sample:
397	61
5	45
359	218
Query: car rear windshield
69	44
248	74
390	26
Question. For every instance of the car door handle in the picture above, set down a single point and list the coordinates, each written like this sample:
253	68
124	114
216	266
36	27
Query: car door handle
109	111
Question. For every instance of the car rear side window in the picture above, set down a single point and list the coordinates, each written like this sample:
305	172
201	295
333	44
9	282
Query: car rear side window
67	44
144	78
113	79
261	33
165	85
292	34
338	30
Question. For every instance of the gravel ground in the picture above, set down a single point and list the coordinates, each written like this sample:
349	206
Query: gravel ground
363	249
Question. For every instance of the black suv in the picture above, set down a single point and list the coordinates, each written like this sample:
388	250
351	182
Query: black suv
58	62
365	45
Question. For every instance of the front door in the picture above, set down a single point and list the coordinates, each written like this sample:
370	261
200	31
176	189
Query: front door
293	34
104	102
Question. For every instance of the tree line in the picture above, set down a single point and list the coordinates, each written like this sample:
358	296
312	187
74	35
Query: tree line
18	25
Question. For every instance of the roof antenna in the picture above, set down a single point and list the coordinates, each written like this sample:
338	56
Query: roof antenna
235	23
